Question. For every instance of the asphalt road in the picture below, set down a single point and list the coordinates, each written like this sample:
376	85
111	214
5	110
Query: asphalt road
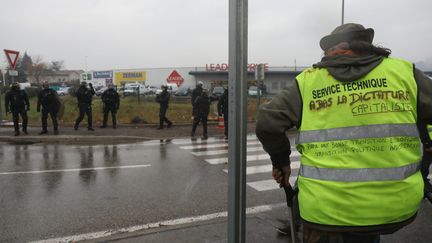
66	191
51	191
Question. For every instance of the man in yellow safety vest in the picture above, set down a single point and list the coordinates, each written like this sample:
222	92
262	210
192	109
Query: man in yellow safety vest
356	112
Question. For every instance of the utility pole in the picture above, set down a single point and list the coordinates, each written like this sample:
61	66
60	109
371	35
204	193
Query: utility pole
343	10
237	128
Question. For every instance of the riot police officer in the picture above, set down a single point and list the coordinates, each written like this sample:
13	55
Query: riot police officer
163	99
202	108
17	102
111	103
223	110
50	103
195	94
84	97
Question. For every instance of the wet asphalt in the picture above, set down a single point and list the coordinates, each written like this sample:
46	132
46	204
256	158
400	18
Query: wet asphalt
50	191
53	191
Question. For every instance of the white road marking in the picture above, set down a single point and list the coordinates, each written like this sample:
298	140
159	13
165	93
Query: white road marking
224	160
216	145
225	151
250	170
73	170
212	139
267	185
187	220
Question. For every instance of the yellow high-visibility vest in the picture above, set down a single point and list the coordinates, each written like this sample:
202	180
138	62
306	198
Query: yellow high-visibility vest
360	147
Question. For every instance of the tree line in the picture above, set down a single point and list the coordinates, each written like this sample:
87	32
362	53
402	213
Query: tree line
34	67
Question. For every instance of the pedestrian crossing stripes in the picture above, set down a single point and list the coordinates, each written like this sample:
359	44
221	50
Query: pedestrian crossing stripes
250	170
267	185
209	140
214	145
215	152
225	151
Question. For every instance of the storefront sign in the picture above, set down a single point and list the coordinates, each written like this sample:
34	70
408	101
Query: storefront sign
130	77
103	74
175	77
224	67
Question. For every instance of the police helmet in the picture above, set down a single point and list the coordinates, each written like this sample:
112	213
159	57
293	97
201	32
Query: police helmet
15	85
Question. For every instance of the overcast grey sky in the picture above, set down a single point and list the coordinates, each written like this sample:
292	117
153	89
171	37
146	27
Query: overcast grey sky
116	34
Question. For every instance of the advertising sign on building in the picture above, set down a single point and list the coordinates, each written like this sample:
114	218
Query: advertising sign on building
86	76
125	77
102	74
175	78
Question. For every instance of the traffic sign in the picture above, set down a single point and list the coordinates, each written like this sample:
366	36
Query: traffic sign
12	57
13	73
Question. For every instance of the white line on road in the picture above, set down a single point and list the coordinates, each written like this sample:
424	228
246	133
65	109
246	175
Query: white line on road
224	160
187	220
248	158
250	170
216	145
73	170
225	151
267	185
198	141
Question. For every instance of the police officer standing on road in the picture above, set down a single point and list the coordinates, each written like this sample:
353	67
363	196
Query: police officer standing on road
223	110
359	170
17	102
202	106
84	97
195	93
163	99
425	135
111	103
50	102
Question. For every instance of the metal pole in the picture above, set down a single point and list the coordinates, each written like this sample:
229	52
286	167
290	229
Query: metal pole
237	108
343	10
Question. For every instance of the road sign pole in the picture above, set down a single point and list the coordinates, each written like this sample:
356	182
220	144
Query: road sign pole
237	122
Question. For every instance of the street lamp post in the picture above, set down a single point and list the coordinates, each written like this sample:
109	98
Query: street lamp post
343	10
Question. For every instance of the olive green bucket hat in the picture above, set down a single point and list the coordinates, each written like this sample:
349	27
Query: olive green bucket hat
347	33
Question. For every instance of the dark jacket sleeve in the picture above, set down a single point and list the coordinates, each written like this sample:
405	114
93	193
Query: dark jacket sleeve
39	99
274	119
26	99
117	97
7	102
424	85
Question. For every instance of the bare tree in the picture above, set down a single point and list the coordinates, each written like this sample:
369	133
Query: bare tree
39	67
56	65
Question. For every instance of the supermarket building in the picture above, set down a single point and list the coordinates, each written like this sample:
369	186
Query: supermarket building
276	78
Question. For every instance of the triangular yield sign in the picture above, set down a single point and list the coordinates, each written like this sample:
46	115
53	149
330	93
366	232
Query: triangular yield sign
12	57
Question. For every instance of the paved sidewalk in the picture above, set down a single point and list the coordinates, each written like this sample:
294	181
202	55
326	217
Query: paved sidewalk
260	228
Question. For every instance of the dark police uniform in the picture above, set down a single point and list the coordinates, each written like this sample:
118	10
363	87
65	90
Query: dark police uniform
202	108
50	103
17	102
84	97
195	94
223	109
111	103
163	99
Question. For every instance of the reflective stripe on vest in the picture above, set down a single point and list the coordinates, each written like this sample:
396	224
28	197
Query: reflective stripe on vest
360	147
430	130
370	131
359	175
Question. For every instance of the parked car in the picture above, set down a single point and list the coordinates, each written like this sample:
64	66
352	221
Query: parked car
253	91
100	90
217	91
131	89
183	91
63	91
172	88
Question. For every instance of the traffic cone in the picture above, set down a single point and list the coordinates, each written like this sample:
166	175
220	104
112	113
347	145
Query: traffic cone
221	122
